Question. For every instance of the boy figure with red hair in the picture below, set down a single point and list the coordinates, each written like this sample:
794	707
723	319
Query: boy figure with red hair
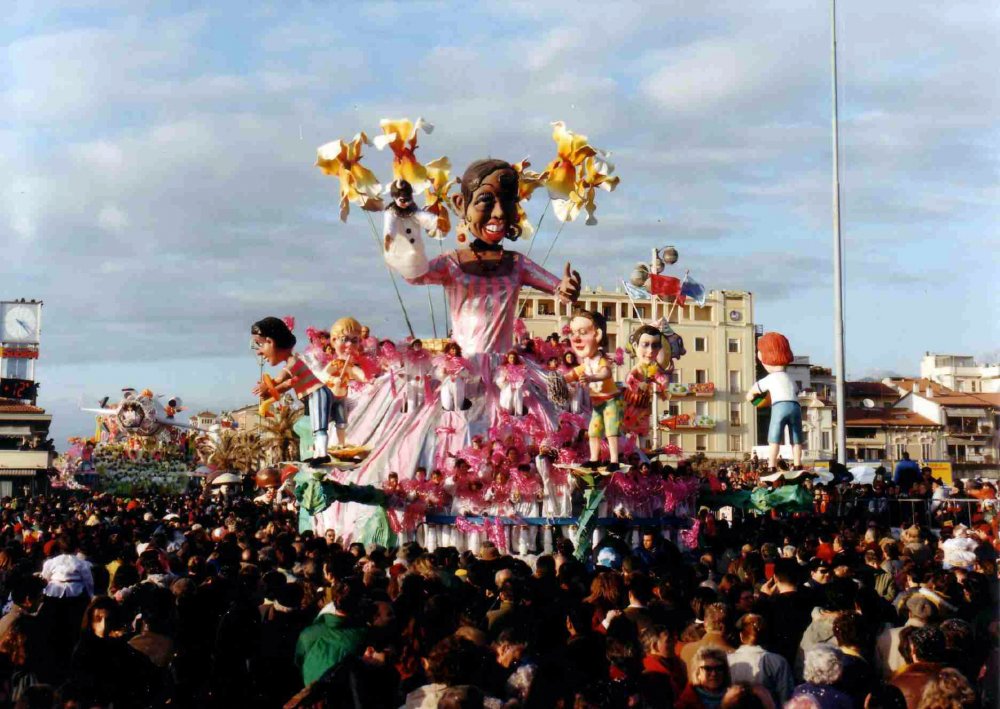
775	354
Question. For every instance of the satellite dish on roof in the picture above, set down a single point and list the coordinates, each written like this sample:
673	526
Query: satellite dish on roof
868	403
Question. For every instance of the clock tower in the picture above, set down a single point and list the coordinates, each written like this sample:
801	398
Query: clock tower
20	330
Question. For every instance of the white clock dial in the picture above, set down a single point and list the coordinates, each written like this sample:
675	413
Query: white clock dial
20	324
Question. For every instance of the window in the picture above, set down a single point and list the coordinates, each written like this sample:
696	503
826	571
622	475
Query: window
734	413
703	314
612	344
546	307
527	309
674	408
925	451
825	435
798	385
16	368
735	380
701	442
701	344
733	346
674	439
900	449
735	443
609	311
700	376
701	408
675	376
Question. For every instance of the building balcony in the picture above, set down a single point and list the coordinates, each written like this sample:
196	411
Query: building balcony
686	422
970	431
40	460
681	391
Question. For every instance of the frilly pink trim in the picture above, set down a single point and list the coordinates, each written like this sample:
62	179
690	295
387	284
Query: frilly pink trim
451	364
526	486
690	536
289	322
513	374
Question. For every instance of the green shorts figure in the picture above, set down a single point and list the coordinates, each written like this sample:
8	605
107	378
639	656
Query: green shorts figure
606	419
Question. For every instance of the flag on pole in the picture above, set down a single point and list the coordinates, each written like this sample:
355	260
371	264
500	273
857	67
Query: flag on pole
693	290
635	292
664	285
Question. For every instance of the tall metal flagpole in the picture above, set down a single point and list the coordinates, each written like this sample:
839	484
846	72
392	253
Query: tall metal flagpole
838	276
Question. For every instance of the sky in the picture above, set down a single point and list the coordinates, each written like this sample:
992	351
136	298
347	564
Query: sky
160	192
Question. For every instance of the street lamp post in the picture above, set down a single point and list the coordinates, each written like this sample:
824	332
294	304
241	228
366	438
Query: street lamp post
838	276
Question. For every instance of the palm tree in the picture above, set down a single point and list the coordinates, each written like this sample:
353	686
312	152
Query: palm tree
249	451
222	452
278	434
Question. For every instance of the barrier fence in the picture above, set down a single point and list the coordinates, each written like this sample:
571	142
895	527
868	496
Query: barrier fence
898	512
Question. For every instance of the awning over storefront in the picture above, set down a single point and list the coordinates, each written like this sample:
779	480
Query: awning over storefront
20	472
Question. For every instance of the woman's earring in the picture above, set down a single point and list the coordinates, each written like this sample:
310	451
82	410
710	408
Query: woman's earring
461	231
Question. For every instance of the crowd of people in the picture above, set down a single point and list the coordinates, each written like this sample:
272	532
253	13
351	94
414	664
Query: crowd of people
189	601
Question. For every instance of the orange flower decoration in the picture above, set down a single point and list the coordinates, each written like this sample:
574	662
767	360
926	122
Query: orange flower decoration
594	175
436	200
400	136
358	184
571	150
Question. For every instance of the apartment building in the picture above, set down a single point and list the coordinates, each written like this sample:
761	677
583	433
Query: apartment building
970	421
24	467
705	406
961	373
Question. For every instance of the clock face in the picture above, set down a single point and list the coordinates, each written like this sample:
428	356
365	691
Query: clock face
735	315
20	323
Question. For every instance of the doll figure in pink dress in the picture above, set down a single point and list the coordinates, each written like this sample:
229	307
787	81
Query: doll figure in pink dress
483	281
453	371
510	380
417	366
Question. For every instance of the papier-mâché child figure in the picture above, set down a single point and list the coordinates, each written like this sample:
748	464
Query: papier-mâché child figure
588	334
775	354
345	338
272	338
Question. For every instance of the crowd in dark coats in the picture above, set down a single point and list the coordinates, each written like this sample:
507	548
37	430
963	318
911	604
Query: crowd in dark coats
187	601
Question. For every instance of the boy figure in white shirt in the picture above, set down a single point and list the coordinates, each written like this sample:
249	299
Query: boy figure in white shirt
775	354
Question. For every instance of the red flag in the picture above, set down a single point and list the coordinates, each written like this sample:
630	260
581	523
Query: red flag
664	285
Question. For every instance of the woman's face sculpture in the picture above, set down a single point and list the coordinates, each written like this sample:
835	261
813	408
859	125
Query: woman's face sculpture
491	210
647	350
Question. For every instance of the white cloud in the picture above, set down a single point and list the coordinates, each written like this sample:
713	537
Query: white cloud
165	155
112	218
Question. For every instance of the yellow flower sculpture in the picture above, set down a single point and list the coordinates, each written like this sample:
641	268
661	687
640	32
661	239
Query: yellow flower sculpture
436	200
571	150
594	175
358	184
401	137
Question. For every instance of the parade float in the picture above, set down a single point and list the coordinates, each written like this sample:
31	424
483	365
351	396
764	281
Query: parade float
486	433
138	445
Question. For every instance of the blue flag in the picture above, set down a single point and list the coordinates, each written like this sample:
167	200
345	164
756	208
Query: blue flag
693	290
635	292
